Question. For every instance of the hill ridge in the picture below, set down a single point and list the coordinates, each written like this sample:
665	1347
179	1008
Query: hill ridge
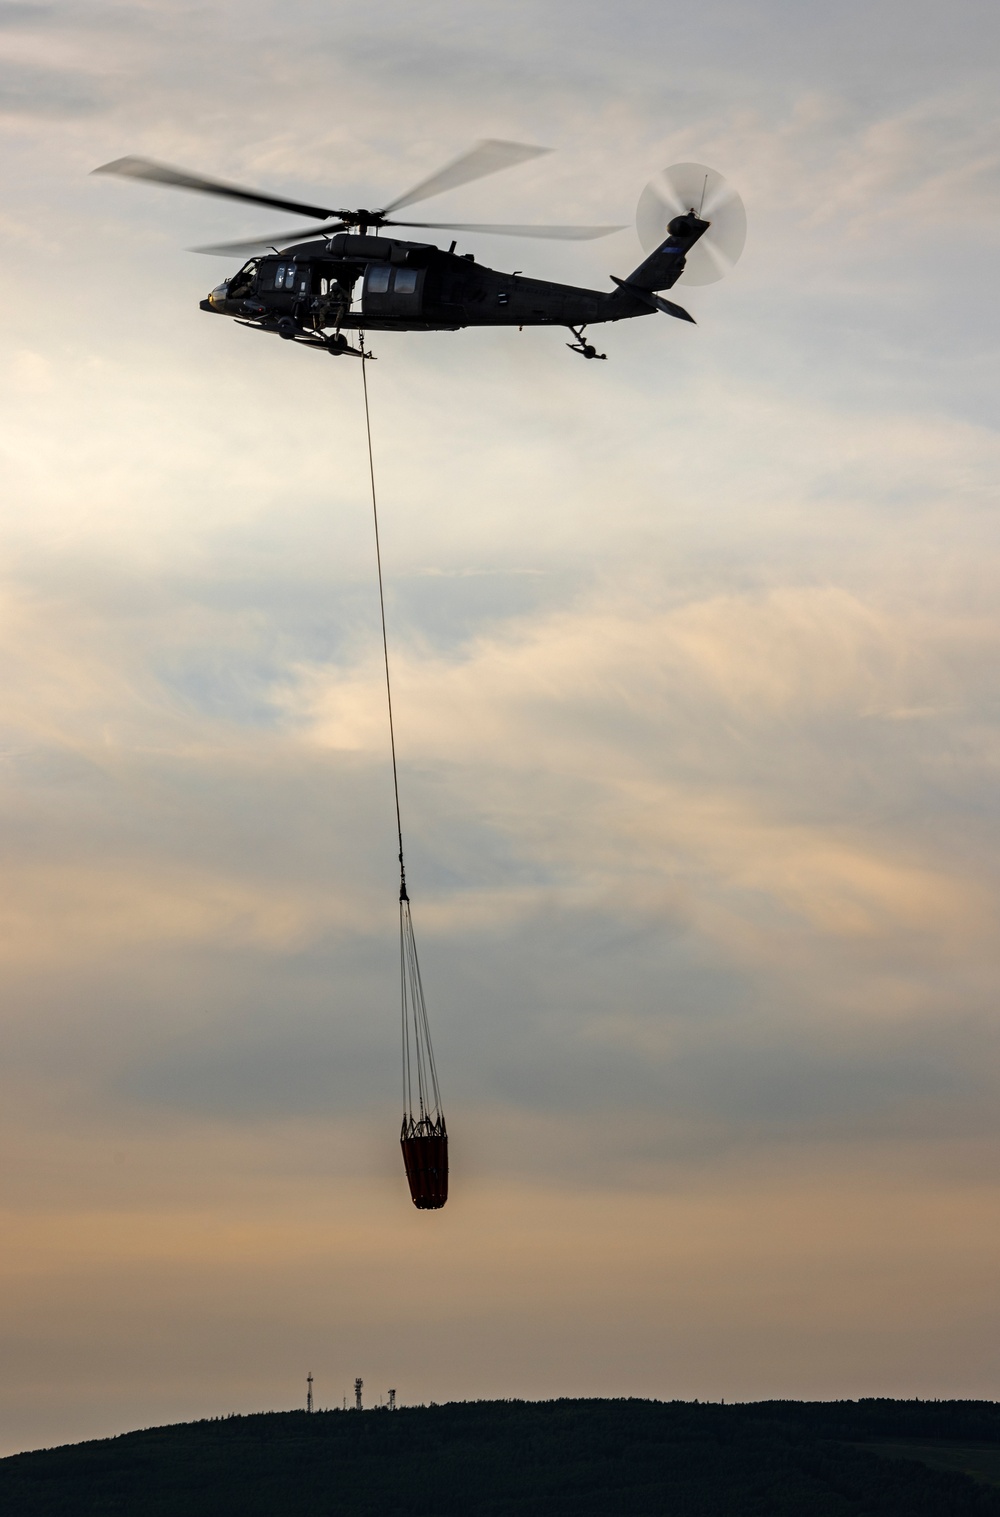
579	1456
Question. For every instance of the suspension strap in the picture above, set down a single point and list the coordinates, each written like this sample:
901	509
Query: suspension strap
381	602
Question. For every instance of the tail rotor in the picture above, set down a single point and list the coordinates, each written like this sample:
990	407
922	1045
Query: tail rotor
686	187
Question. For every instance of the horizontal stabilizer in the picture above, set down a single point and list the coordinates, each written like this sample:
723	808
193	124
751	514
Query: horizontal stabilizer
669	309
655	302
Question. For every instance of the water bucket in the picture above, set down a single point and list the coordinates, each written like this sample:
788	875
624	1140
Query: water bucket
426	1161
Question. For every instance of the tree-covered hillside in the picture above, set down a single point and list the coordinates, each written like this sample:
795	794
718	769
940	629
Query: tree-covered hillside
548	1459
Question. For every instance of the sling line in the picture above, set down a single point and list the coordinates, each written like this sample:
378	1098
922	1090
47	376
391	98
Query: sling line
424	1137
385	641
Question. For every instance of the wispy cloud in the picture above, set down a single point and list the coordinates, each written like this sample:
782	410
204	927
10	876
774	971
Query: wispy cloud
694	664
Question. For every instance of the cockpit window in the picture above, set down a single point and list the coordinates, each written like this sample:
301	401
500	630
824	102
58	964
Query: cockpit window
242	283
279	278
290	277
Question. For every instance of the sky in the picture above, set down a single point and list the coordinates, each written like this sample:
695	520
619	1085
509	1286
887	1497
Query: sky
695	664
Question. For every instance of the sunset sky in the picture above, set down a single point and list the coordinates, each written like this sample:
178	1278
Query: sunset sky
698	714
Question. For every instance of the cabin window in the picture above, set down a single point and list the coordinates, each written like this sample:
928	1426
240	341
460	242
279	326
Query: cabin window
324	288
405	282
378	279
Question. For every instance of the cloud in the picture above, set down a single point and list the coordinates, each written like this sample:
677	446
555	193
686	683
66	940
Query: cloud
32	91
694	664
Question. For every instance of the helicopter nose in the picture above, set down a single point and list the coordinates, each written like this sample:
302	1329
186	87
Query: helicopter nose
219	294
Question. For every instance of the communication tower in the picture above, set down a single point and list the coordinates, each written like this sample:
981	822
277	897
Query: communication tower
358	1384
392	1401
309	1391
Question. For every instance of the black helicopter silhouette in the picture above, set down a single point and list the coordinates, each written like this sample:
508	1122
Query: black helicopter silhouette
690	223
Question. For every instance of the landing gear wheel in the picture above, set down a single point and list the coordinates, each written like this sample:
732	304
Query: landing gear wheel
585	349
287	328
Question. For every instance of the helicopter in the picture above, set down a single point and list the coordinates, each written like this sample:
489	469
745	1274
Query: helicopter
691	224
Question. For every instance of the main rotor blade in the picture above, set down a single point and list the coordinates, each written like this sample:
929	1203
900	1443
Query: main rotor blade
162	173
561	233
487	157
271	240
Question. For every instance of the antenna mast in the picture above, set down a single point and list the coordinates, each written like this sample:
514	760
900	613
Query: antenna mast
309	1391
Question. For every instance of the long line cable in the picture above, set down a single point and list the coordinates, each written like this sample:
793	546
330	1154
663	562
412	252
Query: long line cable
385	641
413	1002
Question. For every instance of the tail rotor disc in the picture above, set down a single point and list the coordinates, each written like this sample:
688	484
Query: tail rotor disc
688	187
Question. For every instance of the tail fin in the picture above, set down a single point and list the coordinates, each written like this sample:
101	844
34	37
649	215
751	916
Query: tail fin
662	269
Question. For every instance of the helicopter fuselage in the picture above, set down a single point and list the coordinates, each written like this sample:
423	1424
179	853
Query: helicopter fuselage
312	288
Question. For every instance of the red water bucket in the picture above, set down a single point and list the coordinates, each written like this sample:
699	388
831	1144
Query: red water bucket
426	1160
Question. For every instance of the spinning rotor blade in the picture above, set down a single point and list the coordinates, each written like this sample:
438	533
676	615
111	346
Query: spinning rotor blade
308	234
487	157
271	240
562	233
162	173
692	187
